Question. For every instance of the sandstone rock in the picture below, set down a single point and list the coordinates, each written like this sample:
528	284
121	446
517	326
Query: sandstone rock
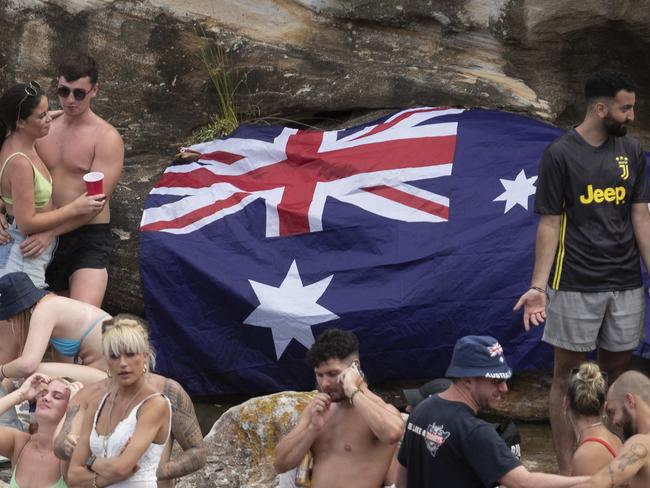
315	58
242	442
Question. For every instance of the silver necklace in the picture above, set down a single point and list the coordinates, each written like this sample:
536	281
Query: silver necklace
110	416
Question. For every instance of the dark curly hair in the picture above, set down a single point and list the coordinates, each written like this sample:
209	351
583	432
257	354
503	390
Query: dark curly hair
332	344
77	66
606	84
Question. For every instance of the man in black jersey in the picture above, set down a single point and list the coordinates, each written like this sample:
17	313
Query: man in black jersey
592	197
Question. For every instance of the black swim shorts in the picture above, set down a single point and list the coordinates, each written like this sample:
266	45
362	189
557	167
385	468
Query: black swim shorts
89	246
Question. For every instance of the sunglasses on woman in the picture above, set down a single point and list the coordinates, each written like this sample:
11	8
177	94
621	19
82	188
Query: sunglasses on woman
32	89
78	93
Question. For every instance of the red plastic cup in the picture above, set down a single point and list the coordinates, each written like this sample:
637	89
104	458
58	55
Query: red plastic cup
94	182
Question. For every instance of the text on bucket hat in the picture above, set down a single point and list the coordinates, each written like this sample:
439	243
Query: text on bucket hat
17	293
478	357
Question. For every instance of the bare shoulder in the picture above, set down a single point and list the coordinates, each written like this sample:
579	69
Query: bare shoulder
589	458
156	404
18	162
105	128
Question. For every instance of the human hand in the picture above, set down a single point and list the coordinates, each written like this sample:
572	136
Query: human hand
33	386
74	388
320	410
534	303
54	114
350	379
36	244
5	238
70	443
86	204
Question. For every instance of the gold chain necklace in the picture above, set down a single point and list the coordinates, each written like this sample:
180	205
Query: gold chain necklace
110	416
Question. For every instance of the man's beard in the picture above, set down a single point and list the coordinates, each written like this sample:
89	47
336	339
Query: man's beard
613	127
627	425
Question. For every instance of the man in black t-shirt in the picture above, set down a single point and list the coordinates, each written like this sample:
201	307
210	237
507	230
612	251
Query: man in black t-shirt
446	445
592	197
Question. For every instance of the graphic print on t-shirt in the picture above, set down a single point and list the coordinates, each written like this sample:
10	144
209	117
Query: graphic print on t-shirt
435	437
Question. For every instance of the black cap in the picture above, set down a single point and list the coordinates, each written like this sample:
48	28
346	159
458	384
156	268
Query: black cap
416	395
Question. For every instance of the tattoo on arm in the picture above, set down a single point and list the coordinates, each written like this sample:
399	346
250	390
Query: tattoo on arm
186	431
636	453
59	442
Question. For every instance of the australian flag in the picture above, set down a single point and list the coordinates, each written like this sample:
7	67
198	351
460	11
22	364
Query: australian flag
410	231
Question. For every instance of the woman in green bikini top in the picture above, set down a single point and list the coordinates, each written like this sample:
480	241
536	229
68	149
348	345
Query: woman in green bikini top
32	459
26	184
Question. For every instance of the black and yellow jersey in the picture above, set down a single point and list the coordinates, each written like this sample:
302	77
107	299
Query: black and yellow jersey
593	188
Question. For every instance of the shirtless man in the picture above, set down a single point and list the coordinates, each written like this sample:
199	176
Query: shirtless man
351	432
185	427
78	142
628	409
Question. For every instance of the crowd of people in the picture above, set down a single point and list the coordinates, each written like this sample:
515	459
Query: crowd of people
594	227
101	417
98	415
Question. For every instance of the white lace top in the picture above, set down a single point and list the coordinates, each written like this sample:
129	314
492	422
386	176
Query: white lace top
145	477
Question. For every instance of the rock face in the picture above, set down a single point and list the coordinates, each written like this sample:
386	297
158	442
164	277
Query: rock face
242	442
316	58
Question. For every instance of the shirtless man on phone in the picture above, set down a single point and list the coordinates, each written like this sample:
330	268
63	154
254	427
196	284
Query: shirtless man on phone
351	432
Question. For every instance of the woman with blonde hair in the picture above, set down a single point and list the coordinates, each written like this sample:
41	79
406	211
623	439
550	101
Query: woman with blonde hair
596	445
41	319
32	459
121	443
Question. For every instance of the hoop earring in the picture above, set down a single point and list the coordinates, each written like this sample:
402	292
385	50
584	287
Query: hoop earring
108	372
144	369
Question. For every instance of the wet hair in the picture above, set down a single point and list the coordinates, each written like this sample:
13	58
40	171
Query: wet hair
606	84
332	344
77	66
16	104
126	333
587	390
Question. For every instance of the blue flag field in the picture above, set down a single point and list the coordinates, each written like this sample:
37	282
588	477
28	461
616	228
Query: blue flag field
411	231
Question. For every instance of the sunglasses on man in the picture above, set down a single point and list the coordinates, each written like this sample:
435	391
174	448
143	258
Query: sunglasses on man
78	93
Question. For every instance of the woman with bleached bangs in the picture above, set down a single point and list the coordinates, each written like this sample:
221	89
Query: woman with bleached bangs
121	444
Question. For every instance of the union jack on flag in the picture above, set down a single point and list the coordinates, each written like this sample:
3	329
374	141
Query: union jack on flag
296	172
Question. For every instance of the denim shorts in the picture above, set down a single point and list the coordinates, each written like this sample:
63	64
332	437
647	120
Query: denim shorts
12	259
580	321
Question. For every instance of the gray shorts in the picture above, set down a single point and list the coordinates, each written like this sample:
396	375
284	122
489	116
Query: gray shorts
580	321
12	259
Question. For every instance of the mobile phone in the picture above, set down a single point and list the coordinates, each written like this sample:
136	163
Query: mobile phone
355	364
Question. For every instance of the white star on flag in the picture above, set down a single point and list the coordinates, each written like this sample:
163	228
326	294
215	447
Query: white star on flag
517	191
290	309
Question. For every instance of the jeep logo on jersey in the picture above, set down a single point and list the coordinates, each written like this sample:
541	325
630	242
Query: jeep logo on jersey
600	195
623	164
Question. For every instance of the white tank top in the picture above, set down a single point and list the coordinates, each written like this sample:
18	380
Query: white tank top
144	477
